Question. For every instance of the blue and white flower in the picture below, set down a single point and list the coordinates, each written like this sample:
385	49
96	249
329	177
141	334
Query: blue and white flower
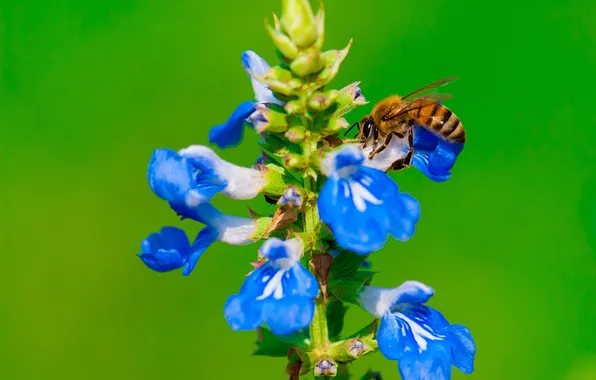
433	156
363	205
279	293
169	249
230	133
196	174
423	342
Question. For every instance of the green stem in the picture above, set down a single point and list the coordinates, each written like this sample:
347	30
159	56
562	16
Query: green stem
319	334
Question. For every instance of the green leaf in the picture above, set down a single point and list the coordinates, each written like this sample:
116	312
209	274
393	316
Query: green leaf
272	345
345	264
347	288
335	318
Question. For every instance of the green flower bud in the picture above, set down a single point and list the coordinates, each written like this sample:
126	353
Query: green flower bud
296	134
295	107
306	64
322	101
299	22
335	125
332	59
279	80
267	120
282	42
295	161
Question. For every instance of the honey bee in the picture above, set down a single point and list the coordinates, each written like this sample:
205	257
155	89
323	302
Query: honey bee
396	116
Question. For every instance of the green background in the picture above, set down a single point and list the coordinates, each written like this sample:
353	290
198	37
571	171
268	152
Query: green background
89	88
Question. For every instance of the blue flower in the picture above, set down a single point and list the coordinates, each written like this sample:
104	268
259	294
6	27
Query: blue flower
169	249
291	197
279	293
230	133
195	174
423	342
433	156
362	205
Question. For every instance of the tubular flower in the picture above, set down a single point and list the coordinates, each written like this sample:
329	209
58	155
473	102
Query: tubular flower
423	342
280	292
362	205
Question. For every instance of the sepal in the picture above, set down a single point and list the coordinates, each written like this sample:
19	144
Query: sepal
277	178
349	98
332	59
261	225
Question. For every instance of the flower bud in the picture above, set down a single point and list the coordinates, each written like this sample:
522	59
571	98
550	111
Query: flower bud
295	107
306	64
279	80
335	125
265	119
282	42
322	101
296	134
299	22
294	161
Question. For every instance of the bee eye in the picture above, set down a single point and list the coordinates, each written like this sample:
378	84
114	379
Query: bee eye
366	127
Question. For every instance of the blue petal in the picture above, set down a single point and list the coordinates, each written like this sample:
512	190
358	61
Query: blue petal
230	133
433	156
243	313
204	213
411	328
431	364
360	225
463	348
205	238
256	65
413	292
288	315
274	249
166	250
170	176
284	298
162	260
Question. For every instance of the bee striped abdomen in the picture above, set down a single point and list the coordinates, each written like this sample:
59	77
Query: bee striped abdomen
443	122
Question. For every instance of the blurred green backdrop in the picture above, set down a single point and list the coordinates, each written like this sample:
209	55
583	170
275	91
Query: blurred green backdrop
89	88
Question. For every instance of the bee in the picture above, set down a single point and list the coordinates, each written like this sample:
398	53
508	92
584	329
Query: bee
396	116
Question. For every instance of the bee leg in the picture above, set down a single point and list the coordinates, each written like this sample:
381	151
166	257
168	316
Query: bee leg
406	160
385	144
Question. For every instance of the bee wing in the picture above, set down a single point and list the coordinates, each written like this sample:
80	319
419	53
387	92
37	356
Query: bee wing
421	102
430	87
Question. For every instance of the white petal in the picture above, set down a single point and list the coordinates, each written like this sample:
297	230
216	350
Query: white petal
234	230
398	148
243	183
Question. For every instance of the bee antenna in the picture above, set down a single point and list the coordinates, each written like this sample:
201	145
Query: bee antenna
352	127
